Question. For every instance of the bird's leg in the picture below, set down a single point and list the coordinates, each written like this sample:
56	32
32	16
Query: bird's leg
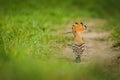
78	59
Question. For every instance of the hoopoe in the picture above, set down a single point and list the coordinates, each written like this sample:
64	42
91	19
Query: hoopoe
78	45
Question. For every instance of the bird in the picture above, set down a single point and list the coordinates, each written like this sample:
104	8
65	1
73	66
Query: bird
78	45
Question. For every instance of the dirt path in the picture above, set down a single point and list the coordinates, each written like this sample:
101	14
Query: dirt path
97	48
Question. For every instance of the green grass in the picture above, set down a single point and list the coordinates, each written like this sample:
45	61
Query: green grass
29	39
44	70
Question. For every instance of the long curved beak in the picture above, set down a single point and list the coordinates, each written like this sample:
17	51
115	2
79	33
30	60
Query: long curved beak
68	32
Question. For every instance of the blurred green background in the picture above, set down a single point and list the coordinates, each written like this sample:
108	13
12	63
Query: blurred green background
27	41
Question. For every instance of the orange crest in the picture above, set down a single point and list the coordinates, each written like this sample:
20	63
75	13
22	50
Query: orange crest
78	26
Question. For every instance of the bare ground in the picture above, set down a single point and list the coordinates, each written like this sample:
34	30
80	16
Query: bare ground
98	49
